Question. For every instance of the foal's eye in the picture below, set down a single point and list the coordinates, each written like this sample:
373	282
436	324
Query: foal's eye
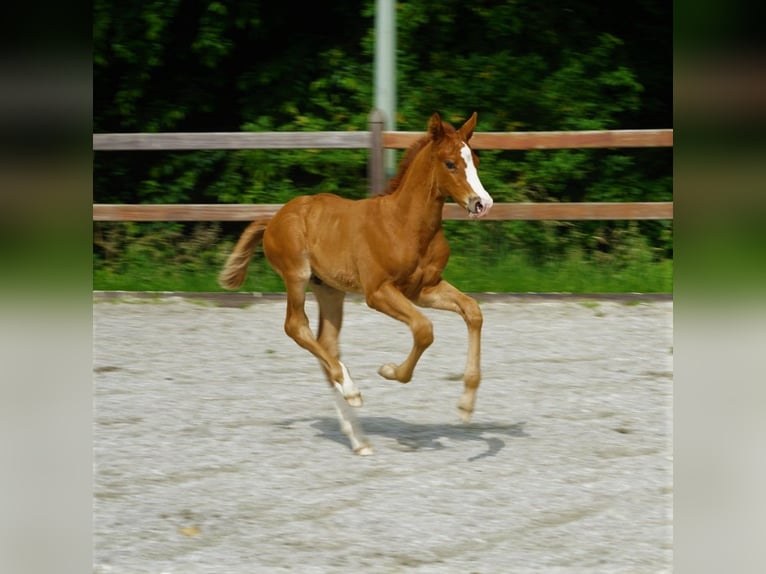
450	164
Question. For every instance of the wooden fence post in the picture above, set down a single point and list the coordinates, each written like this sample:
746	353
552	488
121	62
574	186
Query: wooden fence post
376	168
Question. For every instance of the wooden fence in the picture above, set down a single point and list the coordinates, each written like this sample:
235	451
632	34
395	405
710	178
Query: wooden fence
376	140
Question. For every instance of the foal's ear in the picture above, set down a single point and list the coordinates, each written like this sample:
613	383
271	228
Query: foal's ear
467	130
435	127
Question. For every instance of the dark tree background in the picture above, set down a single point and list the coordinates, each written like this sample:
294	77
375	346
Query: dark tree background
195	65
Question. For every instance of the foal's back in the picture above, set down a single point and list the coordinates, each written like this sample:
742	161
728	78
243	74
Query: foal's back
321	235
351	245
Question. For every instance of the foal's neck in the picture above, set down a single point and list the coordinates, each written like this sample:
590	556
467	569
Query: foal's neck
417	197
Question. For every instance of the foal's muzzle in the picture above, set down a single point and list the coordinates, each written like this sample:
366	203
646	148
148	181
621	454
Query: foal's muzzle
478	207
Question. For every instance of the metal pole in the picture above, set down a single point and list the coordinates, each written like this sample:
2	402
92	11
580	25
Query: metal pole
385	71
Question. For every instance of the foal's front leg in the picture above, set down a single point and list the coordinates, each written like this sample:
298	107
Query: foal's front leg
447	297
389	300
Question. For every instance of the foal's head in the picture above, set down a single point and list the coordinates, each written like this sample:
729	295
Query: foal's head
456	164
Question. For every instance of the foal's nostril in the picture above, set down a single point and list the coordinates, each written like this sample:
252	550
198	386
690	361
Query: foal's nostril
475	205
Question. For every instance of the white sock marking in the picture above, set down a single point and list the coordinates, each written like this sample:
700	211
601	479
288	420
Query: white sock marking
349	423
346	387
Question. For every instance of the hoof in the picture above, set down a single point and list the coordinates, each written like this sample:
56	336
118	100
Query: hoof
354	400
465	406
364	450
388	371
464	414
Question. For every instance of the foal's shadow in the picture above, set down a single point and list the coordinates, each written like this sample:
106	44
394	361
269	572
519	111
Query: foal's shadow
420	436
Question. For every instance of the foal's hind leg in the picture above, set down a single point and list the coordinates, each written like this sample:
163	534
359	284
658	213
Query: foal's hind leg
350	426
330	303
445	296
297	327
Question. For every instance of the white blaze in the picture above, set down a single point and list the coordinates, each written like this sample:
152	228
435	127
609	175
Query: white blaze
473	179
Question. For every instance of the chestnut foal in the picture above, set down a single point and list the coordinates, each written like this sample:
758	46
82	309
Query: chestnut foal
390	247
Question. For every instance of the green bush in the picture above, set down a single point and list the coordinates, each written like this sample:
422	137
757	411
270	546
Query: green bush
174	257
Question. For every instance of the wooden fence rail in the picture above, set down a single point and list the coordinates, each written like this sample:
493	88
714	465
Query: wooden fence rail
376	140
500	211
363	140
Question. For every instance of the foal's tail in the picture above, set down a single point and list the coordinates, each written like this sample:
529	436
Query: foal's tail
234	272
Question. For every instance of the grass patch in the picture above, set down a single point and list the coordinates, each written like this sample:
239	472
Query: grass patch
512	274
575	273
154	275
131	257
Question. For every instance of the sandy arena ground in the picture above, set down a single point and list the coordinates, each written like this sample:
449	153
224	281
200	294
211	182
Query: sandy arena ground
217	448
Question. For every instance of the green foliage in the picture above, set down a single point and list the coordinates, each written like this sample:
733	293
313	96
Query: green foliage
572	273
168	257
255	65
152	257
